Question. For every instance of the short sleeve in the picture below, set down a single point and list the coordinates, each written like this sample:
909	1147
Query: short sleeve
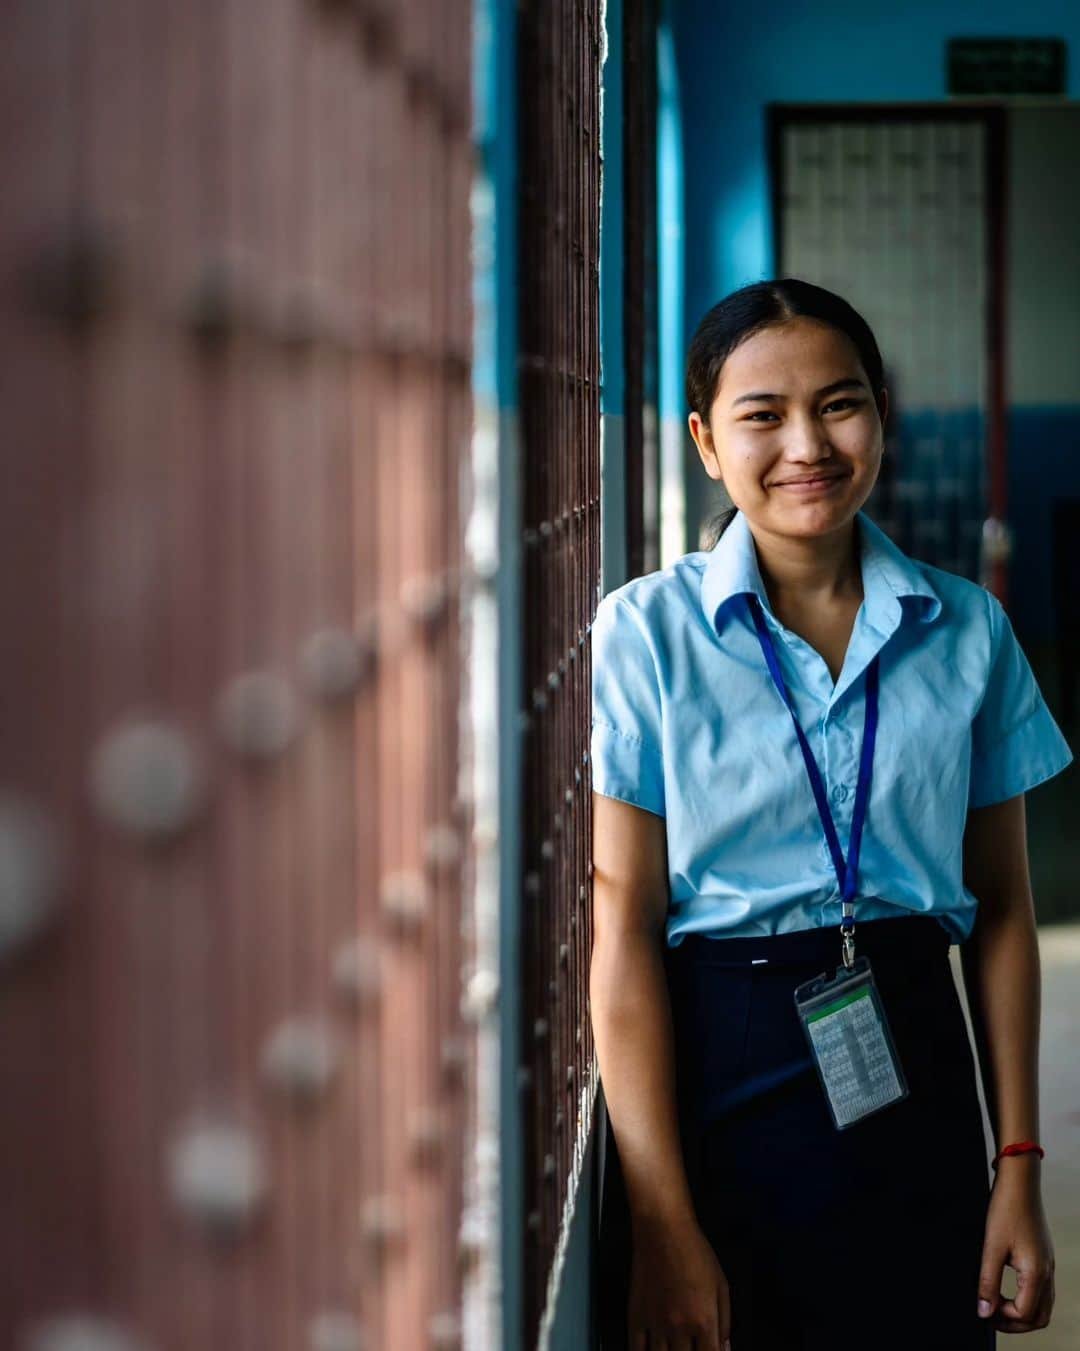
627	762
1016	744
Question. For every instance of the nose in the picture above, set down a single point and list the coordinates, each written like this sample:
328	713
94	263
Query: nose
807	440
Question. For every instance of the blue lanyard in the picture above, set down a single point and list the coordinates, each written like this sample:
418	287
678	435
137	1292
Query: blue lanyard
846	873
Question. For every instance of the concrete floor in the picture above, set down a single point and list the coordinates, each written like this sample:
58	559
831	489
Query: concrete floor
1059	947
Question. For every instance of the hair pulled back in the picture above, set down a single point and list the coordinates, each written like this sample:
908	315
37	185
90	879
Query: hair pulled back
748	310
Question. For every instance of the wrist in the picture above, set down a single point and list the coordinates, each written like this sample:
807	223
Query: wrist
1019	1172
1026	1147
651	1221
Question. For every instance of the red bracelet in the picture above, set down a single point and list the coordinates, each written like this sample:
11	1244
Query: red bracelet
1021	1147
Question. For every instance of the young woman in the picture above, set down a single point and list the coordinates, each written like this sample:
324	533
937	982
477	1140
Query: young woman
809	758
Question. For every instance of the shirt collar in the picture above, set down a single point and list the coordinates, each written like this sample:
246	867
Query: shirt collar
888	576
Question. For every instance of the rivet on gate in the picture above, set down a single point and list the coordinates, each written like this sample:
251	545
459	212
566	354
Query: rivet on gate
72	278
426	1133
145	778
217	1174
300	1058
78	1332
404	901
382	1224
334	662
32	870
222	297
481	995
474	1239
453	1058
442	846
547	850
532	884
549	1167
564	953
540	1029
444	1332
424	600
334	1330
569	1076
357	972
257	715
533	1221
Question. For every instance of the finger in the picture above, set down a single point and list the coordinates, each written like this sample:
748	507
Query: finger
709	1340
1030	1283
990	1274
1008	1319
723	1320
1013	1325
1011	1319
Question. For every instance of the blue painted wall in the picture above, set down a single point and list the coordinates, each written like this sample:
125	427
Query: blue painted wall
735	59
495	400
732	62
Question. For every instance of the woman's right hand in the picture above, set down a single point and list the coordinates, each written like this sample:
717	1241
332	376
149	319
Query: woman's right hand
679	1296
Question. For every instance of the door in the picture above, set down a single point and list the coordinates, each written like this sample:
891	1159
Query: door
900	209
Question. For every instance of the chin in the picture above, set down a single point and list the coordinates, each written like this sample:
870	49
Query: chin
807	519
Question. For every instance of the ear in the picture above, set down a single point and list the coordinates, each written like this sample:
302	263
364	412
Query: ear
883	404
703	440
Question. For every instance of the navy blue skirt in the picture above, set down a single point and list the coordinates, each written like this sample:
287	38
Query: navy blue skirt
865	1237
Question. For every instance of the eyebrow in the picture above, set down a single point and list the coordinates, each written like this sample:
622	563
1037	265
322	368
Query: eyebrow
849	383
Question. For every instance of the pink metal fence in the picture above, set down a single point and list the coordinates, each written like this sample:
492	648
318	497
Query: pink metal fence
234	335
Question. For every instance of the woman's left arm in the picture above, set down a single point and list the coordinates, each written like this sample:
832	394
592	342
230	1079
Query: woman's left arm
1000	963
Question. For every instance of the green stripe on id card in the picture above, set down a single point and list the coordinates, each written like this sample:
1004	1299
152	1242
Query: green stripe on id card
850	1043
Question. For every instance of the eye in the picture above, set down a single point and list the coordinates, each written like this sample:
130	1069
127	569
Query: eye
840	403
762	412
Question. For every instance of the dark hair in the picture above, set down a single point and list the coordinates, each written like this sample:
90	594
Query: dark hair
745	312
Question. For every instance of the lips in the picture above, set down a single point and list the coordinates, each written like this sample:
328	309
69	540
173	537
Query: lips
812	481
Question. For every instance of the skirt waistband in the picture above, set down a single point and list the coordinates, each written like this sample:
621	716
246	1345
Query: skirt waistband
900	936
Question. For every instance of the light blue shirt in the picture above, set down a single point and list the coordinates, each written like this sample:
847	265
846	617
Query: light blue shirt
687	724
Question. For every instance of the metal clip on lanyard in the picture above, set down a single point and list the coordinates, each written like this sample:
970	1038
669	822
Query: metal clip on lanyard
846	873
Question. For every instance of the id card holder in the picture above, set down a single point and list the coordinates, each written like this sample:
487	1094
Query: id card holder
850	1042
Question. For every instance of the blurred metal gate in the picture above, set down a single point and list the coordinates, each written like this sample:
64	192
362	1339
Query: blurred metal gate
234	335
559	52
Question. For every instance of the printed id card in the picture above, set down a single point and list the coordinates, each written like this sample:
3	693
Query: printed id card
850	1043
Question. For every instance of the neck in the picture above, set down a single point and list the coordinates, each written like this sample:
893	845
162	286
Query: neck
820	568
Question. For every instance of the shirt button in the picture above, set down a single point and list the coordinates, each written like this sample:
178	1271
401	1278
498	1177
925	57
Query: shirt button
840	792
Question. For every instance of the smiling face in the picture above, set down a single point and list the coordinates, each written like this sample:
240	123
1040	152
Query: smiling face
794	431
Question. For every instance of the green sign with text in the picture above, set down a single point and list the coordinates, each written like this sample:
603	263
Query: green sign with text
1006	66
